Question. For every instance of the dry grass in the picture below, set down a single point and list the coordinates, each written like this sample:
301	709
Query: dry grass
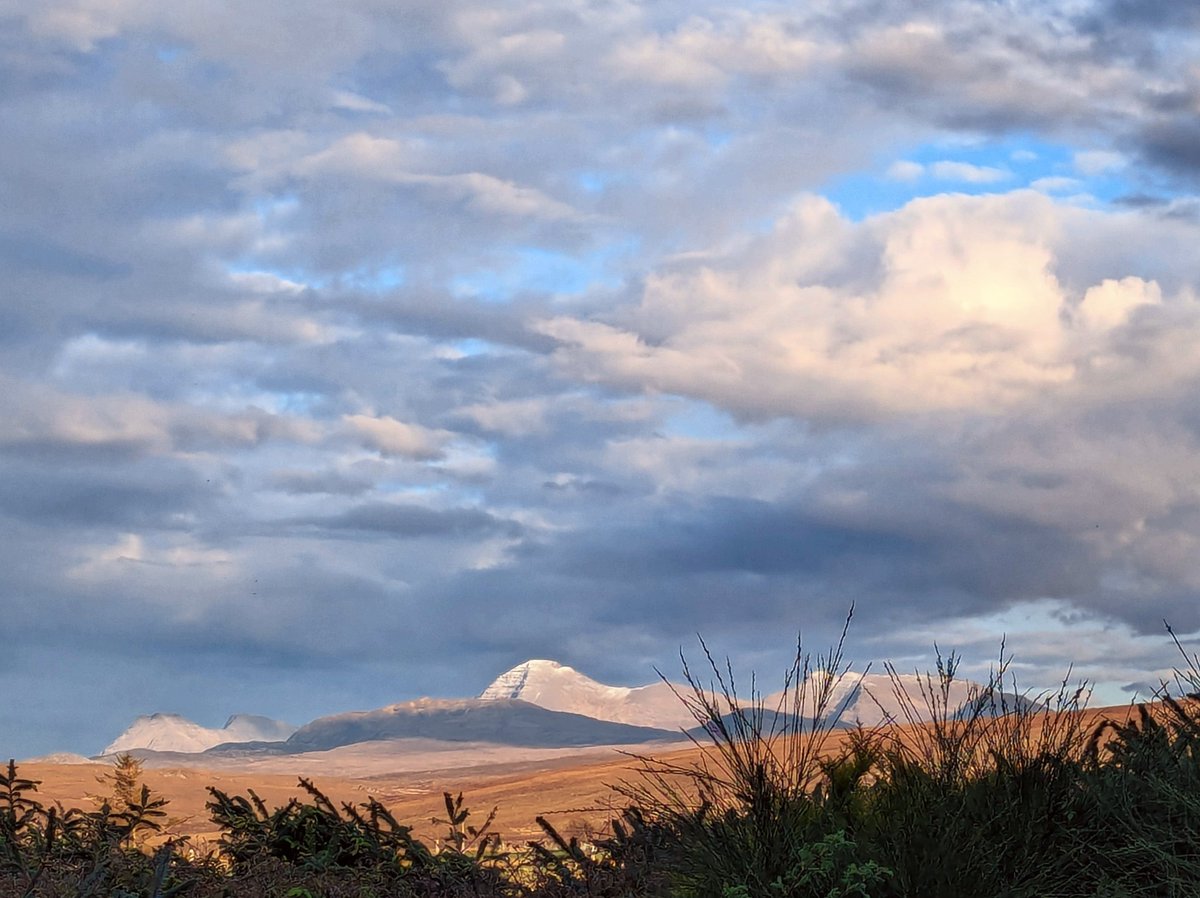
574	791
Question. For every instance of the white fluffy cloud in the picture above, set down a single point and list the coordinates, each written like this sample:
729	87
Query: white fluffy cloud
388	436
950	303
951	170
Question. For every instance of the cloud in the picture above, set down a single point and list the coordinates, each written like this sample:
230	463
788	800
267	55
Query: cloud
949	170
1171	144
1094	162
304	482
700	54
391	437
1110	303
381	159
1056	184
512	417
380	344
961	309
99	496
112	563
414	521
904	170
45	256
981	328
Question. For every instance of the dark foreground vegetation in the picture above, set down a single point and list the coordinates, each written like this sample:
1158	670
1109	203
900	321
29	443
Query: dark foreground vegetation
994	798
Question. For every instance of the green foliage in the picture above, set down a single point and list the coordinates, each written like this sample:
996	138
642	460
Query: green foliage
124	780
979	800
364	843
316	835
20	816
463	838
828	868
51	852
750	813
1143	801
625	864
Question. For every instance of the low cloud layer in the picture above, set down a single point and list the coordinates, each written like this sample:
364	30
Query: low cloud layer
353	354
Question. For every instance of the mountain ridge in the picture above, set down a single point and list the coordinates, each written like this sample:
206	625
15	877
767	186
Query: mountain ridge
162	731
540	702
505	721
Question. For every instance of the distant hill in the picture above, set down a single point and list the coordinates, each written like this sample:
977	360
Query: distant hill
501	721
171	732
58	757
771	722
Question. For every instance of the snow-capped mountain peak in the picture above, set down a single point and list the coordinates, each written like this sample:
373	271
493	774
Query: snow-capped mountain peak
171	732
511	683
557	687
528	681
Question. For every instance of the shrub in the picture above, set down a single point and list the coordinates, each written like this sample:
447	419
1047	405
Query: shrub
973	802
753	813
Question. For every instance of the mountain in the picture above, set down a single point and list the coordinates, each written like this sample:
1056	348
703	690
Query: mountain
770	722
873	699
171	732
557	687
538	703
497	720
868	699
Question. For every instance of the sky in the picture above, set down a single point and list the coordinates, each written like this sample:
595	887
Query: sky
356	352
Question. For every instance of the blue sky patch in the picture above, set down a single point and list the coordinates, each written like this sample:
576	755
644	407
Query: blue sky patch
976	168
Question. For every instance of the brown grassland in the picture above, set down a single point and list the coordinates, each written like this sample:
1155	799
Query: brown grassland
573	789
